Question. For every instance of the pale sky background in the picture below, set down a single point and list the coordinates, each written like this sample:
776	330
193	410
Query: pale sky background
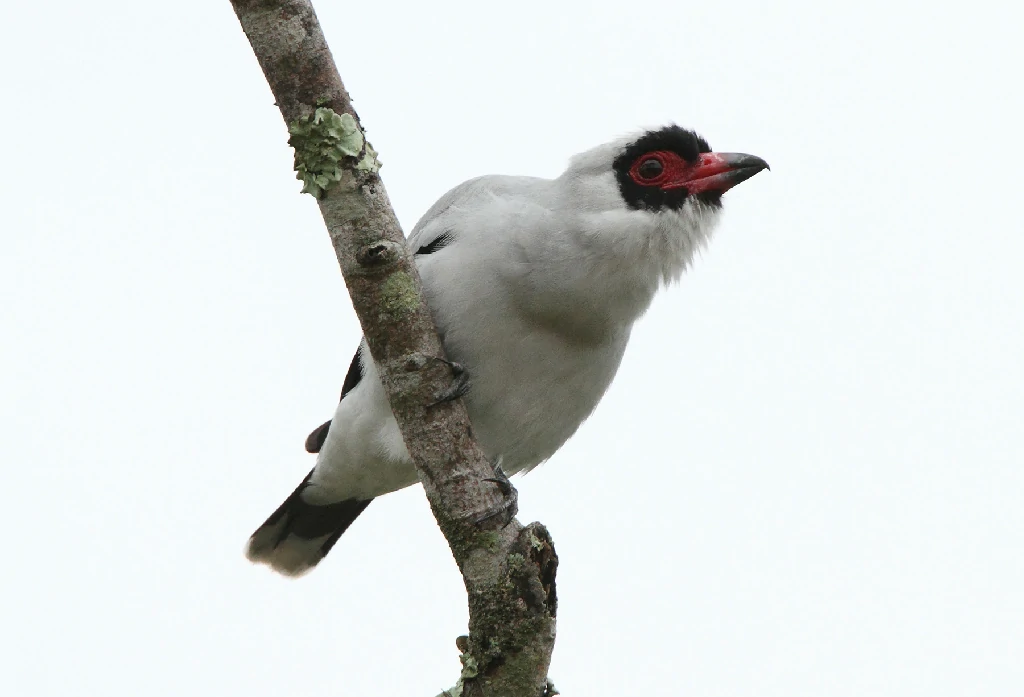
807	479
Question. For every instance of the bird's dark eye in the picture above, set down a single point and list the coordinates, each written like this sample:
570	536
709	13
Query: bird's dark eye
650	168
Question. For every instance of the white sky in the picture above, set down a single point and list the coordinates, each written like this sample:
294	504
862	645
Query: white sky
807	480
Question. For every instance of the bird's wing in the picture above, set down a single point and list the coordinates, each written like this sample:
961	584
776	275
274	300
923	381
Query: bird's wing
424	239
426	232
434	231
441	219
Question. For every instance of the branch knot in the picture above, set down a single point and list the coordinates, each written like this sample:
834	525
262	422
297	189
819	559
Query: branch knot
380	254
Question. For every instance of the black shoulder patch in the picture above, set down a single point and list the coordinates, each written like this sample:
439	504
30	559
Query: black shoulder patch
315	440
439	242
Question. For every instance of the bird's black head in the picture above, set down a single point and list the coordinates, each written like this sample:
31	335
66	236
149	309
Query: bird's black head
662	168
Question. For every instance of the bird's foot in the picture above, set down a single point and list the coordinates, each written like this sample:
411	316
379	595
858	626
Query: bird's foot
459	386
508	507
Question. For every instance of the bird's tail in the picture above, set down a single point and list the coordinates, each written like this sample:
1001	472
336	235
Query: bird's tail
299	534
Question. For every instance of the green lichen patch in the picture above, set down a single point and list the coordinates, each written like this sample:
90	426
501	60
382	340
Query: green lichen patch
469	667
321	141
454	692
535	542
369	163
489	540
398	295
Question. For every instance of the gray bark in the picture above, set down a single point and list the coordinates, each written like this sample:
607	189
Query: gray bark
509	571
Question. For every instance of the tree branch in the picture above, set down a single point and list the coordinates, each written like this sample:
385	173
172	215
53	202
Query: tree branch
509	571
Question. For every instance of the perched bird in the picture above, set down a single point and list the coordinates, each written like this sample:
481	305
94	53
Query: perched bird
534	285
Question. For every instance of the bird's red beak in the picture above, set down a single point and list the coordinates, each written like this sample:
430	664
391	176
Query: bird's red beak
716	172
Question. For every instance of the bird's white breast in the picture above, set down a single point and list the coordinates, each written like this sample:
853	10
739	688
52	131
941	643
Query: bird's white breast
533	379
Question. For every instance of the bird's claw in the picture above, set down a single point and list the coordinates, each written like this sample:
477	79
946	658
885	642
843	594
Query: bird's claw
459	386
502	481
507	509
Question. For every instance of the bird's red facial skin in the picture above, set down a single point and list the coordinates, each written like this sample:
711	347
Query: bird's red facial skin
712	172
673	168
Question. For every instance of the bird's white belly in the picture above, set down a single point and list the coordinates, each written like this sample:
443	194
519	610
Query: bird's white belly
531	386
527	400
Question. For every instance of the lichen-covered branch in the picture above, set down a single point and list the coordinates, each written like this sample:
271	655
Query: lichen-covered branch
509	571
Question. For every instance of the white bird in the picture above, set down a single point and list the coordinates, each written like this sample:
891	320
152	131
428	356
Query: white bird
534	285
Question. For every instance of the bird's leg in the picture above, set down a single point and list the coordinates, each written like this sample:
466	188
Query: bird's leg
507	509
459	385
